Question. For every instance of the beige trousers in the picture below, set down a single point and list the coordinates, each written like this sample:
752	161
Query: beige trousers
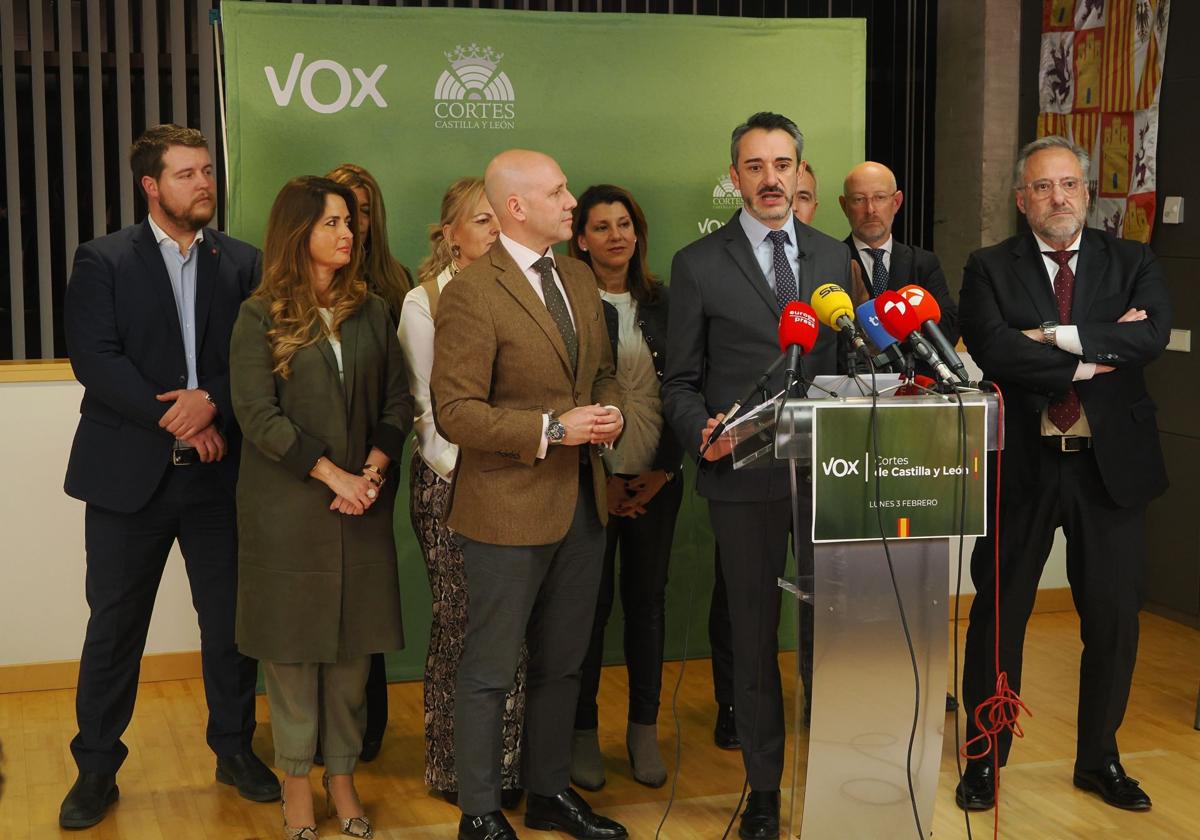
311	697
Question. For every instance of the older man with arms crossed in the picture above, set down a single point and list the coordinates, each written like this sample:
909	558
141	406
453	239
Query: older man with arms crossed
1064	318
523	382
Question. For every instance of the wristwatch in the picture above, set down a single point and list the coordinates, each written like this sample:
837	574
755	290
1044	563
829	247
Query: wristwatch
556	432
209	399
1048	330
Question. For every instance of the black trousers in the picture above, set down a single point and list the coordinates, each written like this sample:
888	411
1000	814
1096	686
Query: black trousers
1105	567
544	595
720	636
753	541
645	548
126	555
377	699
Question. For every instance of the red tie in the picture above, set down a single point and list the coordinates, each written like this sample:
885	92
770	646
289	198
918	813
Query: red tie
1064	412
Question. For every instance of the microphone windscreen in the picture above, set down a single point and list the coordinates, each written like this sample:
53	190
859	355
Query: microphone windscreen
798	326
831	302
869	323
896	315
923	302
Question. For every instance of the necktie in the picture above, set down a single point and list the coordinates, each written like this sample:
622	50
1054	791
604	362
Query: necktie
785	280
558	308
879	272
1064	412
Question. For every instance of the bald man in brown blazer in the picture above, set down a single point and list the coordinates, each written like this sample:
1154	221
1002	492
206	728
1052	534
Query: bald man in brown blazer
523	383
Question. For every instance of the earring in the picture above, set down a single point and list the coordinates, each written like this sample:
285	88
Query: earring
583	248
455	251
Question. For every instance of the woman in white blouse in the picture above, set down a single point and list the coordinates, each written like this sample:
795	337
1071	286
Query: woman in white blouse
467	228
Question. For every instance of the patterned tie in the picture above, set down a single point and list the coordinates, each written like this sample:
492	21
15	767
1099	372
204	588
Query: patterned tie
1064	412
558	308
785	280
879	272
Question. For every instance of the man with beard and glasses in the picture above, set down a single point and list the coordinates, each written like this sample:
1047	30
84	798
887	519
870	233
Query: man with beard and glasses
728	291
1064	319
149	314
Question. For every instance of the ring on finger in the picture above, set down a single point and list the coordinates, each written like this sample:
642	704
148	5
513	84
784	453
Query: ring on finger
371	494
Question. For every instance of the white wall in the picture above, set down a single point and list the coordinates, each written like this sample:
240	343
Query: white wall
43	613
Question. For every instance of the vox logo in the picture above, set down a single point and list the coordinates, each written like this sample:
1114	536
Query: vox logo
840	467
354	86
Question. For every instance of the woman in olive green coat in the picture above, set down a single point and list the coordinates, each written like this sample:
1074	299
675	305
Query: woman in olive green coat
319	388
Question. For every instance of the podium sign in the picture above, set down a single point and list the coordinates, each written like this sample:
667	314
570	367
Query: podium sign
919	466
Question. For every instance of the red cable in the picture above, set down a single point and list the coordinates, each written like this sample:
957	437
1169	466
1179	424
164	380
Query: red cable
1003	709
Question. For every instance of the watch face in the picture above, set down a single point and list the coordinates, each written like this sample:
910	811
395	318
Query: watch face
556	431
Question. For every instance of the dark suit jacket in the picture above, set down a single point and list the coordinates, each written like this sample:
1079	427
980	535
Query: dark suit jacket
724	332
126	346
499	364
652	321
1006	289
911	264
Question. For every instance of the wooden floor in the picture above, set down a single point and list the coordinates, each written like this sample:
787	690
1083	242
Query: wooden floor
167	788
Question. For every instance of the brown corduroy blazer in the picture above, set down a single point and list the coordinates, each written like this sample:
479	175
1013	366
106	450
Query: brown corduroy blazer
499	364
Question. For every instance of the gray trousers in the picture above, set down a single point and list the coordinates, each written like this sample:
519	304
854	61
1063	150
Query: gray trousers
307	697
544	595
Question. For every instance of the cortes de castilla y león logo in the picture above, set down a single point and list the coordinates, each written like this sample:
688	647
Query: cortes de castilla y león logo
474	93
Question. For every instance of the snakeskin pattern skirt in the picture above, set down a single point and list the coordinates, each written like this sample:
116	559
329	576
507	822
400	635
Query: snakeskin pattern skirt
447	581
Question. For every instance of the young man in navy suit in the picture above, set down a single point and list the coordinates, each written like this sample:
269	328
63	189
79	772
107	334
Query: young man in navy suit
149	312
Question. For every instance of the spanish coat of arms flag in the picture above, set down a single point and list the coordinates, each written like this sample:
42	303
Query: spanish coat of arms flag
1099	80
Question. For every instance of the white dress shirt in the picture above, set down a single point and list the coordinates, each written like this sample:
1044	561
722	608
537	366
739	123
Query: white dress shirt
868	261
416	341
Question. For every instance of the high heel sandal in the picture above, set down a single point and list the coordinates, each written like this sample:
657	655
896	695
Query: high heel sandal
305	832
353	827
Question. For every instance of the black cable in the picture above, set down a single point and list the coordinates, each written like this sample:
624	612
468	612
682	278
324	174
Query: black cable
687	631
912	654
958	588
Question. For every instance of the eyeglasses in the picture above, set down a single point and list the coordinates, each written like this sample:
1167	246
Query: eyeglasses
862	200
1043	187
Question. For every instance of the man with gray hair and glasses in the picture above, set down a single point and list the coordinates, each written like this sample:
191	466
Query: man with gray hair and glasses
1064	318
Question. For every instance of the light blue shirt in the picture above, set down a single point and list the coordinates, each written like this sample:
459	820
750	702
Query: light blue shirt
182	271
764	249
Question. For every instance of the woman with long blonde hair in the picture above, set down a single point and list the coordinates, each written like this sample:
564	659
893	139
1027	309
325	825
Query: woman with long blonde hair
464	233
318	591
384	274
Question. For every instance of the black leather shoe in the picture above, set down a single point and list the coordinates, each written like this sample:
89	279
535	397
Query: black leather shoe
977	790
370	750
760	819
1114	786
88	799
253	779
510	798
566	811
725	732
491	826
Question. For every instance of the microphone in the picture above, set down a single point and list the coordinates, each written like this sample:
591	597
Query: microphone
719	429
889	349
929	314
900	319
798	330
835	309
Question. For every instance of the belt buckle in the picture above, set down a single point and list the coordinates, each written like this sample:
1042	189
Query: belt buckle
1077	443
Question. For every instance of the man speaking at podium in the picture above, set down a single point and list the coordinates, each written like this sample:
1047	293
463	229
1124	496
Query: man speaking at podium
728	291
1064	319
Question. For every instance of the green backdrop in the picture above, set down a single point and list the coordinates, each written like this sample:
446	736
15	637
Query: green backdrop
422	96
